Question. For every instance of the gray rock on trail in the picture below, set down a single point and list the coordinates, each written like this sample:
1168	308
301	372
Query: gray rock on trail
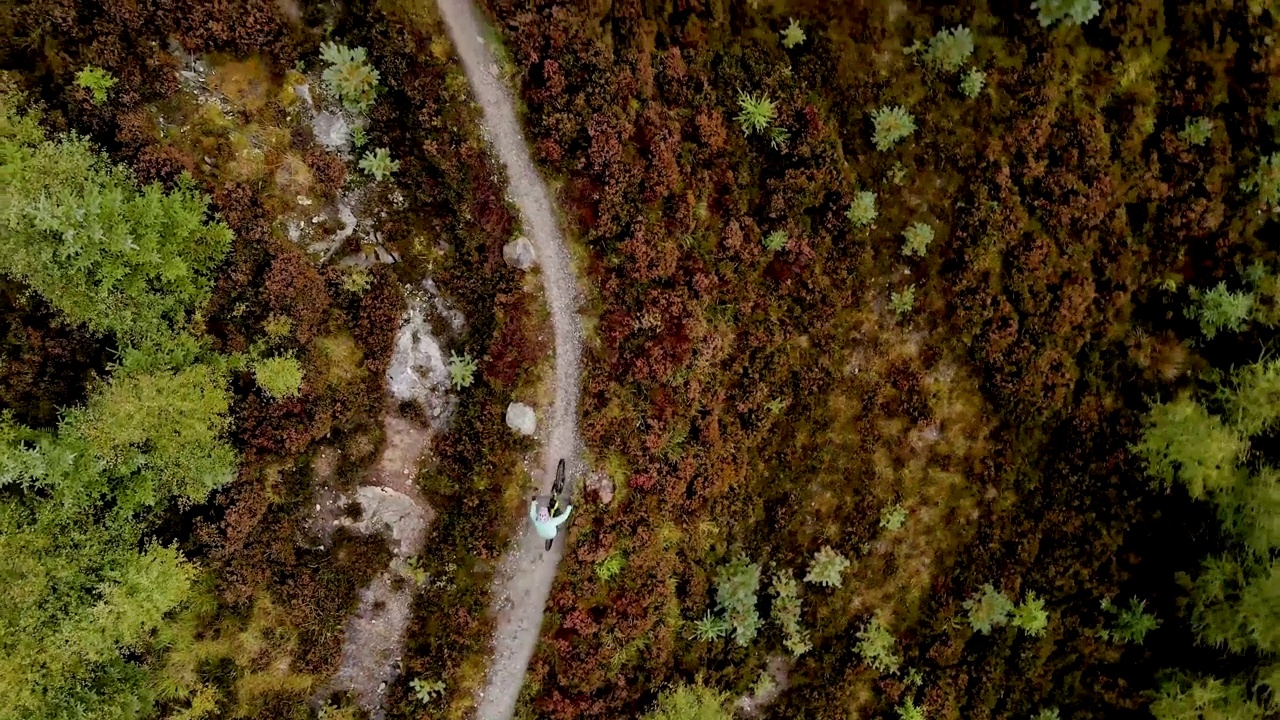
521	418
519	253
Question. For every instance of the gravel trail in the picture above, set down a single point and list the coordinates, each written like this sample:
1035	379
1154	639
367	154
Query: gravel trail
526	572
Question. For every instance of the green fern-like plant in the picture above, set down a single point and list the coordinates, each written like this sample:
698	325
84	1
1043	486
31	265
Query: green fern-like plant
462	370
949	49
916	239
756	112
278	327
1234	603
610	567
972	82
691	702
1049	713
988	609
1131	624
785	611
793	35
379	164
893	517
710	627
357	281
862	211
1185	697
891	125
878	647
798	644
778	137
1070	12
415	571
785	587
775	241
1265	180
826	568
350	76
426	690
908	710
1196	131
1030	616
279	377
901	302
1253	400
97	81
1219	309
736	587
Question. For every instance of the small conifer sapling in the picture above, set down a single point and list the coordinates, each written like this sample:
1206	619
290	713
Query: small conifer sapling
891	125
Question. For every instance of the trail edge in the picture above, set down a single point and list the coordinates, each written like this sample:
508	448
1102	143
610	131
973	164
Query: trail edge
527	571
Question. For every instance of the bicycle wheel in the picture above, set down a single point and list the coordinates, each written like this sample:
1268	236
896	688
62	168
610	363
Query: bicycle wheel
558	486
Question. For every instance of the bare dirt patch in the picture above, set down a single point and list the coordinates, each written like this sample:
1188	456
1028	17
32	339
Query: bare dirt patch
389	505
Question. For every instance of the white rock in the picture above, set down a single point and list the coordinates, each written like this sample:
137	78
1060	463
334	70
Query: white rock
304	91
331	131
522	418
519	253
418	370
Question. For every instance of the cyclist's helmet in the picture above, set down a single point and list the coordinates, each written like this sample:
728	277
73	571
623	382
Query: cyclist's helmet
543	515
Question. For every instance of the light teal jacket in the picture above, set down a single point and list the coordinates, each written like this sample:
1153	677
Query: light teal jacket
547	530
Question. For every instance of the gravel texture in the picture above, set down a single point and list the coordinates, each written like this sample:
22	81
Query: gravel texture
526	572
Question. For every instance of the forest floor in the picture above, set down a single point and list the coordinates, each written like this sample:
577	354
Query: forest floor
527	571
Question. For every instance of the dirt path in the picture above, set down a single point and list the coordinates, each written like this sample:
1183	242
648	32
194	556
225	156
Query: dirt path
390	506
525	576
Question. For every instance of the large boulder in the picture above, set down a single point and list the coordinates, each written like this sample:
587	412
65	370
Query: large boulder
521	418
519	253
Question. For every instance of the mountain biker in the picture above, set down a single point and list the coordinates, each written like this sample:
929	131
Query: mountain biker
544	523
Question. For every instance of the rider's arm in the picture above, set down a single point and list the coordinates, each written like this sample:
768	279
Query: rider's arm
562	516
533	510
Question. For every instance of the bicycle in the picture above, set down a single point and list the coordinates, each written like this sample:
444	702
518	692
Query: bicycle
553	503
